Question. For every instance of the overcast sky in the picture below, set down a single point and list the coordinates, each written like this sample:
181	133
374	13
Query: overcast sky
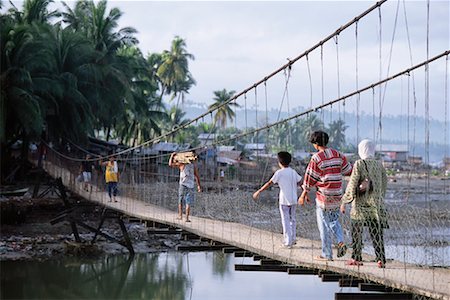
237	43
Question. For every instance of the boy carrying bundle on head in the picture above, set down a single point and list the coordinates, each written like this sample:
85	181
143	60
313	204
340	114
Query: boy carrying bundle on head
185	162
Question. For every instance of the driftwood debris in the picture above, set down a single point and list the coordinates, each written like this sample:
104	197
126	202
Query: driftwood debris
81	249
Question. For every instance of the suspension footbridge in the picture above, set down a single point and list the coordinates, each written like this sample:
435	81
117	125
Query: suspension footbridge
418	238
427	281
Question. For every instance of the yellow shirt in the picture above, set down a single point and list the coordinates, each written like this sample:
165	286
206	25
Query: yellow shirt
111	172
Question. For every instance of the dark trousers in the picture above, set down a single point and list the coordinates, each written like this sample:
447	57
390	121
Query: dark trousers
376	234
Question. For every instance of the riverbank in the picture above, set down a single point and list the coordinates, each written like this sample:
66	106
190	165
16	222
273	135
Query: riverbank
30	236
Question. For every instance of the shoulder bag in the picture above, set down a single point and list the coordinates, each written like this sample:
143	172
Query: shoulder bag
365	185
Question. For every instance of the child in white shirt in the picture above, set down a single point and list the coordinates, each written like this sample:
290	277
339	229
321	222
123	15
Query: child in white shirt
288	180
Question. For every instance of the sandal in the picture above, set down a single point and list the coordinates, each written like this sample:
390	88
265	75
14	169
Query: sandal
352	262
321	258
341	249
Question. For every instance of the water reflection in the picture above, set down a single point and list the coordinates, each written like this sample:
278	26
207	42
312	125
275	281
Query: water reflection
172	275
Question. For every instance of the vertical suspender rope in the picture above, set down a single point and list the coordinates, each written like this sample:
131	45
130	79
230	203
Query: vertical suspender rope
373	115
358	97
336	41
289	139
256	121
427	140
413	146
380	73
245	108
310	83
235	122
322	83
446	116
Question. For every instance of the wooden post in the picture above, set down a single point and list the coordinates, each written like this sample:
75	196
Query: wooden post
126	237
73	224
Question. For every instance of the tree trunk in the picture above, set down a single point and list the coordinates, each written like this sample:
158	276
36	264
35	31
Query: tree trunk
108	131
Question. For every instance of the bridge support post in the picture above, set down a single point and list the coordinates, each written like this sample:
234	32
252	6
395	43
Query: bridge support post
69	215
73	224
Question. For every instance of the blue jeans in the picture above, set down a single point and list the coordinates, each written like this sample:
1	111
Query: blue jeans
112	188
328	223
289	223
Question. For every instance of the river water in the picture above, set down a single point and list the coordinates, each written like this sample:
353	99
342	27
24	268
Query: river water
167	275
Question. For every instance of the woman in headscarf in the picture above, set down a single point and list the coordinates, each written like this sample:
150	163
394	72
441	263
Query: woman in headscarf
368	208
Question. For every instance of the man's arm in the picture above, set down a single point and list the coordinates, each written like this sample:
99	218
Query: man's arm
197	178
346	166
172	163
303	197
312	176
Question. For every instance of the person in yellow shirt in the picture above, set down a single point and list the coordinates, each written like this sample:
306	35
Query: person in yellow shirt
111	177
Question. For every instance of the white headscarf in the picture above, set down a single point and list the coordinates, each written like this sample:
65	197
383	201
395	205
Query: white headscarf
366	149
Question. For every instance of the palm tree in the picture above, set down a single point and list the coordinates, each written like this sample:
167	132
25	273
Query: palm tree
279	137
175	119
99	26
23	55
206	128
223	108
21	107
141	115
34	11
336	130
111	72
302	129
173	71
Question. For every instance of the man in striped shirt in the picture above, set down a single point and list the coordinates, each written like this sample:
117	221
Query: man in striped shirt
324	172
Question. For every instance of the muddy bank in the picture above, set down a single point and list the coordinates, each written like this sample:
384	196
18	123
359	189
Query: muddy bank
26	232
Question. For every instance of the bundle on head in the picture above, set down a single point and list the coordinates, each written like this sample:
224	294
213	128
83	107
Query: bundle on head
185	157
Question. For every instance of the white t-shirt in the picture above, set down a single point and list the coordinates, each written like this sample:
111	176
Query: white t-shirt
287	179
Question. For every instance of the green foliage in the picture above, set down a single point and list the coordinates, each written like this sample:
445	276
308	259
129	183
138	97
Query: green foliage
436	172
224	110
336	131
85	77
173	70
391	172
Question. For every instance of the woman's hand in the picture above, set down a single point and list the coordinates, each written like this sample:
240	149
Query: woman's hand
304	198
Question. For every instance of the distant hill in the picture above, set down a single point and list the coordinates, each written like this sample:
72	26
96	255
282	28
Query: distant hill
394	128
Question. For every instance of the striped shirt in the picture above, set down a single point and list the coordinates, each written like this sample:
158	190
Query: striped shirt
325	172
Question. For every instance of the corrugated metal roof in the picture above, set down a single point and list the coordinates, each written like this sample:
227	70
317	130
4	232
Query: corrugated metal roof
258	146
170	147
207	136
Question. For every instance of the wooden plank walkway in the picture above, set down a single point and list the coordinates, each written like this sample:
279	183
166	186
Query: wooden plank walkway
430	282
